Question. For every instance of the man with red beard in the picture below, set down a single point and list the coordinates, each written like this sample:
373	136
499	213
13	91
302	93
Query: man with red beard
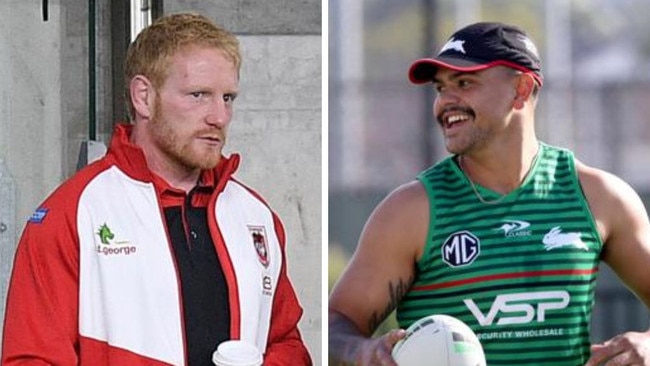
156	254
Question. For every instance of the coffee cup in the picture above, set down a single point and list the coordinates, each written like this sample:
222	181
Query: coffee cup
237	353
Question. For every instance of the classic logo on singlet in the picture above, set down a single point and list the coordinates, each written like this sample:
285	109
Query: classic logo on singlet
460	249
108	246
515	228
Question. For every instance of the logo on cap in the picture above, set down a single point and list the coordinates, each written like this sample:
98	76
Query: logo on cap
530	46
452	44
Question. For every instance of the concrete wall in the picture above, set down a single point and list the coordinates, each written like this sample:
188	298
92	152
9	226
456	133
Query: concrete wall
44	100
30	117
277	124
270	17
31	125
277	131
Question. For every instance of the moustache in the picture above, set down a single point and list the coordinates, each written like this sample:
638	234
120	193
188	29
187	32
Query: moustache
465	110
211	132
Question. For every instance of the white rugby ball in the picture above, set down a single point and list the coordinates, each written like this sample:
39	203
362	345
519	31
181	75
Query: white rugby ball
439	340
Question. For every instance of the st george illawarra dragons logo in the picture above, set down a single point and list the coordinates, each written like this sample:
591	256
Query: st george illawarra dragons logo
258	234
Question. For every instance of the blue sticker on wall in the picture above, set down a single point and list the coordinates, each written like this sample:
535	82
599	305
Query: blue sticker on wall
38	216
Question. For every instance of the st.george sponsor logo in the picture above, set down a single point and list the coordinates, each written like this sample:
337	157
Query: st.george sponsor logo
108	246
118	250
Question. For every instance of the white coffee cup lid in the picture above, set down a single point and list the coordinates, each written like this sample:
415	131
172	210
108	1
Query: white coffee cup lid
237	353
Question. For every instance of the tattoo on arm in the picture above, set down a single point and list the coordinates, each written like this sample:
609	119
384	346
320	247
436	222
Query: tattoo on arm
396	292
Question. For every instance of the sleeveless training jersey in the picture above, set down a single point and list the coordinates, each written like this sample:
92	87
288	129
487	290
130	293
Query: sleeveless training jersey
520	272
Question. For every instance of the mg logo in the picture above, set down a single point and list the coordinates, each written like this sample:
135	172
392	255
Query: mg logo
460	249
520	308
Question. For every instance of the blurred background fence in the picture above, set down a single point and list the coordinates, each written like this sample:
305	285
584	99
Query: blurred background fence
595	101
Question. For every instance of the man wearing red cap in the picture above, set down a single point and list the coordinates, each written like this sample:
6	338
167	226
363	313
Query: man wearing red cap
505	234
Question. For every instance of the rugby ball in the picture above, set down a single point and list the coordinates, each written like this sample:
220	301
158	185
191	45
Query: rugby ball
439	340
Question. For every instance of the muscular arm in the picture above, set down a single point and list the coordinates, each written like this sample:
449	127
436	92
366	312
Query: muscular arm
624	228
379	274
623	225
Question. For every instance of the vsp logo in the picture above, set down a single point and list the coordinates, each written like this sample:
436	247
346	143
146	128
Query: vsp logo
460	249
528	306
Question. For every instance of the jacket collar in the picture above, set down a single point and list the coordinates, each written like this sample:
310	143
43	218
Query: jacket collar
130	159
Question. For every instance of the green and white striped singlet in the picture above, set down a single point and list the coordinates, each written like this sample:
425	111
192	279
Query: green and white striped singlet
521	272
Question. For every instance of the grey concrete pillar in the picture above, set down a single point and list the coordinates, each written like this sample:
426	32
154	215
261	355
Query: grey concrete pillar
7	232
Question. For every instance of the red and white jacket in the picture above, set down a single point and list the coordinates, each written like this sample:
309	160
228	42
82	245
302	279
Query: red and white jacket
95	282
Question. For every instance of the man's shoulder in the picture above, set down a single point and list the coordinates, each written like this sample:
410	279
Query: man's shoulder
602	186
406	200
71	188
596	178
410	190
605	192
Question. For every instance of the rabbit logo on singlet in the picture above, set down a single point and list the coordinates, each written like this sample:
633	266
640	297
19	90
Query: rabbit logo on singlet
555	238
